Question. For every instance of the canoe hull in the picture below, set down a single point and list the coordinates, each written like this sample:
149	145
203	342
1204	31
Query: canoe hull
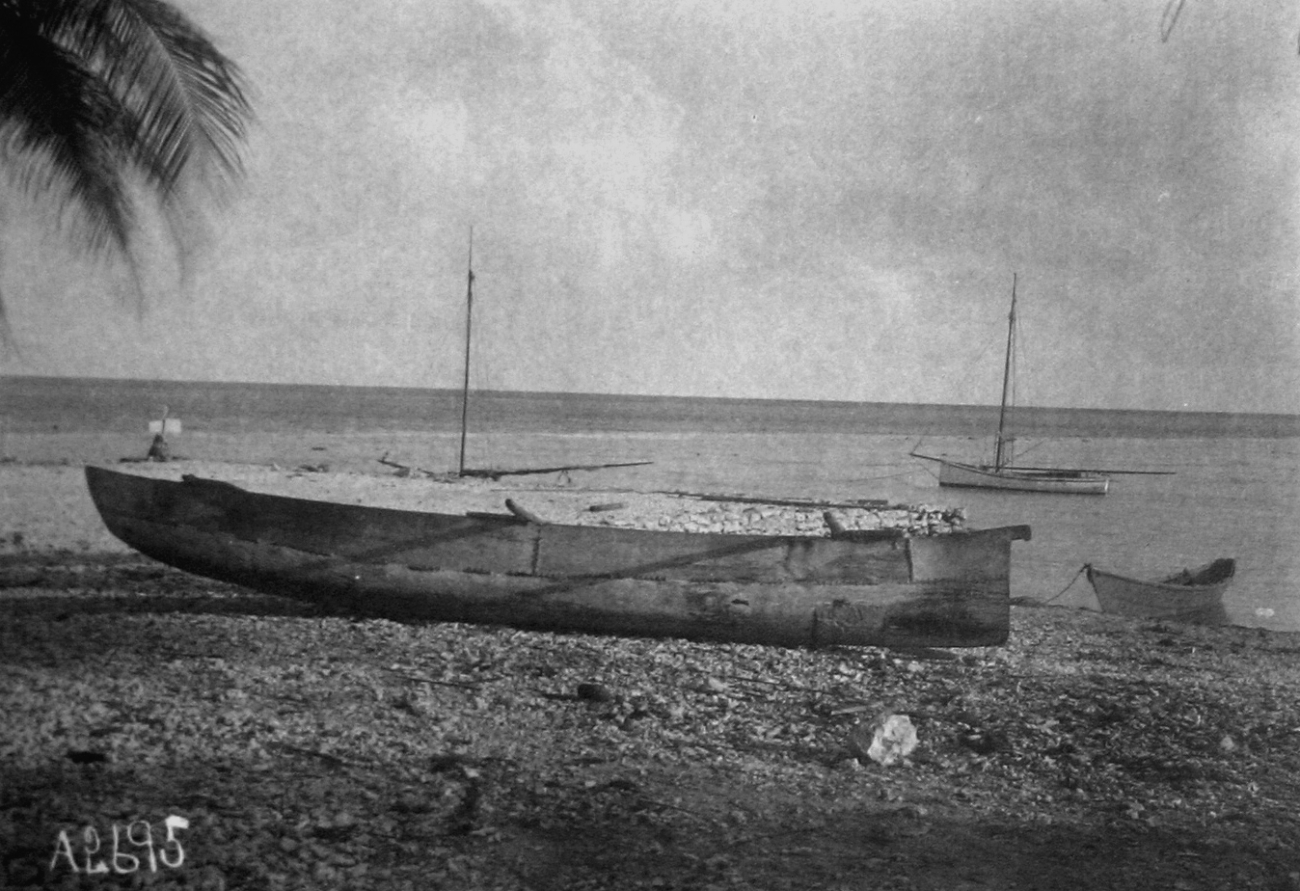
1194	596
948	590
1059	482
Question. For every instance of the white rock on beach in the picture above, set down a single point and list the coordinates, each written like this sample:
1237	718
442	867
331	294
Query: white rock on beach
886	739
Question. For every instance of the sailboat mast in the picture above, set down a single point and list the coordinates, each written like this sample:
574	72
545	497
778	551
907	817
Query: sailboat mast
469	314
999	456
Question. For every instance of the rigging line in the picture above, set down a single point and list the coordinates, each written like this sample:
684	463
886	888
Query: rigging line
1172	10
469	316
986	349
893	476
976	364
1017	352
1029	451
1021	388
926	469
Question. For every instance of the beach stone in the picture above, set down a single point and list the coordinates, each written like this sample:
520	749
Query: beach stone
885	739
595	693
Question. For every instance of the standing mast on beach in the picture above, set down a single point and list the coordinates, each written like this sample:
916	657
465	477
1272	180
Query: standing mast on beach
469	314
1000	451
464	397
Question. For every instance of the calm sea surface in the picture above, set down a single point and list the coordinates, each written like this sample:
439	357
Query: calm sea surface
1234	490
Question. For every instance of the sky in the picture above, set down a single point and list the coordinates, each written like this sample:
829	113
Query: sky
758	199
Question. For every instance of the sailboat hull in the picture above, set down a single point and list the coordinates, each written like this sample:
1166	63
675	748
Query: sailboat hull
1060	482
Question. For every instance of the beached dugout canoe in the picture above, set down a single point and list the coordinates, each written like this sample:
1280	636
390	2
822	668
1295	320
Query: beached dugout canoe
1191	595
857	588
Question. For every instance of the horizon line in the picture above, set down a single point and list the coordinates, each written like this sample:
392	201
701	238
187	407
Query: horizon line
590	393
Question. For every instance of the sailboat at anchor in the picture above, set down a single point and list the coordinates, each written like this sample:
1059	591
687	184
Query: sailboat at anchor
1002	473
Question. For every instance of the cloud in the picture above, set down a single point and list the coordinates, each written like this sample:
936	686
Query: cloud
817	200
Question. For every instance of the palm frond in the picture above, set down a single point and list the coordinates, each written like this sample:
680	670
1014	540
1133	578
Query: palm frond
63	132
101	97
188	98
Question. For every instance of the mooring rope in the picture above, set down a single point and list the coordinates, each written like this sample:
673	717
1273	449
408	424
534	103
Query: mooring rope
1082	570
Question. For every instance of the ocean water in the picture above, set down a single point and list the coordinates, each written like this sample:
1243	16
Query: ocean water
1234	489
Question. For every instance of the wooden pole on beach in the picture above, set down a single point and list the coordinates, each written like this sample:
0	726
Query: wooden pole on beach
469	313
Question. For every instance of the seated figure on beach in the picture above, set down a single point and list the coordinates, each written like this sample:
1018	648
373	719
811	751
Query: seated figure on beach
159	450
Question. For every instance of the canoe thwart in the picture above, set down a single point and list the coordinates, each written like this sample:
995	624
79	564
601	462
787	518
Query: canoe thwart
523	513
840	532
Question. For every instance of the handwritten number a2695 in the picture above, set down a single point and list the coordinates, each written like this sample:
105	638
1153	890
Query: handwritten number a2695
138	833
